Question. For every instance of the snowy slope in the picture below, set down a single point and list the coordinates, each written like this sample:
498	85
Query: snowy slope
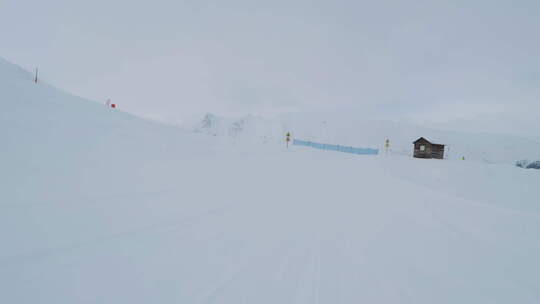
134	212
38	118
47	134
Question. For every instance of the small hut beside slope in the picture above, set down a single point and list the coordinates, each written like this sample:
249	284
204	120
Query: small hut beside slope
423	148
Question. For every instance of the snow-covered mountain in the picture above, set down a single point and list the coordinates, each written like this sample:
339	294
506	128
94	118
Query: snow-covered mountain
249	129
100	206
525	163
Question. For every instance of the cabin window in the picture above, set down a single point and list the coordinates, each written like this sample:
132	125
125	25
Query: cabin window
422	148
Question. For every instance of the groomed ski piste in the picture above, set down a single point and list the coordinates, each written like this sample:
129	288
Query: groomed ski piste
99	206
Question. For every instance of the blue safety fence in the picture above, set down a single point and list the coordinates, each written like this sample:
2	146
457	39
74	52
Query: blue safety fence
346	149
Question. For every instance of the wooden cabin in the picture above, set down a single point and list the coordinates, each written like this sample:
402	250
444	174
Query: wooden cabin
423	148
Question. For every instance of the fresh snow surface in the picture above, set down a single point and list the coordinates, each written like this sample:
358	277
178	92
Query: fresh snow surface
98	206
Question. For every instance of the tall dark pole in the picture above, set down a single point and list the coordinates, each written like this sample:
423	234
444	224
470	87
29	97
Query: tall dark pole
35	78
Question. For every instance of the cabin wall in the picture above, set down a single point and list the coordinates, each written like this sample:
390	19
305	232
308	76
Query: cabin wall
437	152
427	153
430	151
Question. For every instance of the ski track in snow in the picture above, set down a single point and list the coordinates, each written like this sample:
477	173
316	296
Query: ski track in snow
314	247
152	228
90	200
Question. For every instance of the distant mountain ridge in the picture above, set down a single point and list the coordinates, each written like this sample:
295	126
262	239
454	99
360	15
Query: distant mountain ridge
348	129
526	164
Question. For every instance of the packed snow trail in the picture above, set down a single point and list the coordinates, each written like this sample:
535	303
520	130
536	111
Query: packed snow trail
297	227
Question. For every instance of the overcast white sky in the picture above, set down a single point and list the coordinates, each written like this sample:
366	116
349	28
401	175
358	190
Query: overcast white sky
442	62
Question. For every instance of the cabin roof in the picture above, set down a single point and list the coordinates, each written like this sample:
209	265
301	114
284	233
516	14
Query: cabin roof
423	140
